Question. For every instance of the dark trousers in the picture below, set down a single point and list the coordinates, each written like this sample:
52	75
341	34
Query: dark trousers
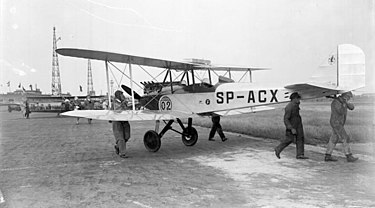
27	113
216	127
121	131
289	138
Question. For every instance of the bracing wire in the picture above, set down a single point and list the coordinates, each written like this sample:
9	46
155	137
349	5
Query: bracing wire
125	75
147	26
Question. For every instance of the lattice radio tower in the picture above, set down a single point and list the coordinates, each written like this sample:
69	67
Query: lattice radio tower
56	83
90	85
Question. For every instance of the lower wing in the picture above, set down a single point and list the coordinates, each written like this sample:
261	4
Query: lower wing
243	110
128	115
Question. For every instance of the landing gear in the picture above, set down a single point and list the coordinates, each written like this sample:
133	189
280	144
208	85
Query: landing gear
152	140
189	136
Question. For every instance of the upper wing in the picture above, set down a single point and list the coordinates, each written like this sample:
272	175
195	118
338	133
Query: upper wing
144	61
229	68
123	58
128	115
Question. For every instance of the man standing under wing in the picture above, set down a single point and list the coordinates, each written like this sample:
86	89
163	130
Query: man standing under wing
339	109
121	129
89	105
294	128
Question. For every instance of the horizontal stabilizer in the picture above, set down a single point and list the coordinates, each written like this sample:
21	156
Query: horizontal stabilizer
308	91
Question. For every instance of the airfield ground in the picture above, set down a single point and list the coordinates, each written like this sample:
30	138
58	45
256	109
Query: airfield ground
48	161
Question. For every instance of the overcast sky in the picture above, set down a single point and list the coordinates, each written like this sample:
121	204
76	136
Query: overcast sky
292	37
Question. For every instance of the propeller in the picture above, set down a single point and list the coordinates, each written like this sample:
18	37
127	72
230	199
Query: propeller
149	102
129	91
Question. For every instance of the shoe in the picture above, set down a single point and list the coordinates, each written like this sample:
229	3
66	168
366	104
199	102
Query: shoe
302	157
329	158
124	156
117	150
277	153
224	139
350	158
211	139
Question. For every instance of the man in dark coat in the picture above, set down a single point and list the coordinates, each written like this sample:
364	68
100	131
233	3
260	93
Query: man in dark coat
339	109
294	128
77	106
27	109
88	105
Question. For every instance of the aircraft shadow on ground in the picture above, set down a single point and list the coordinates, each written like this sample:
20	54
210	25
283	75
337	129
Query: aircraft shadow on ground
172	147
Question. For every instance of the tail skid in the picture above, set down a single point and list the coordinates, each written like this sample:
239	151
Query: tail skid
343	70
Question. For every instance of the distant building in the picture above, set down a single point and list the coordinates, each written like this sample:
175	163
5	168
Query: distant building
368	95
19	96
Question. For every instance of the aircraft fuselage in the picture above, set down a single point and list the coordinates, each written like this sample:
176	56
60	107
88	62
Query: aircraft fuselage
225	97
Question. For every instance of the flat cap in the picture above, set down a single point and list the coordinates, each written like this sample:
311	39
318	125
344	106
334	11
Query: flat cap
294	95
118	93
348	94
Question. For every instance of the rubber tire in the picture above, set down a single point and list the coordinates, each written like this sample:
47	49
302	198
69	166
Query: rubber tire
152	141
193	137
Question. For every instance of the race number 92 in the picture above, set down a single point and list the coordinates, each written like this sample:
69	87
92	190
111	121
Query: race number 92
165	103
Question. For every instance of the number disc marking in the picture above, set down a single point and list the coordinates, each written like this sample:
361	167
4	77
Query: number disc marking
165	103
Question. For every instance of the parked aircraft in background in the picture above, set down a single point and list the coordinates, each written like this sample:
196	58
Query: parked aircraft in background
47	104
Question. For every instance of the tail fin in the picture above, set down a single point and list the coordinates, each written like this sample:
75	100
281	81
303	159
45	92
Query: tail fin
343	70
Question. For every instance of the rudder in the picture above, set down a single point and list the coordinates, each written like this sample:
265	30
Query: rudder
343	70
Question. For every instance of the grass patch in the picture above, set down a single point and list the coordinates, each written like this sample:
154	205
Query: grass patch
315	119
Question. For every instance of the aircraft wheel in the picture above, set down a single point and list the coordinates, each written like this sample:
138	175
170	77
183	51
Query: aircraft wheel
192	137
152	141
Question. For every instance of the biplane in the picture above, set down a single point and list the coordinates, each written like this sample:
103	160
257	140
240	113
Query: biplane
170	101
